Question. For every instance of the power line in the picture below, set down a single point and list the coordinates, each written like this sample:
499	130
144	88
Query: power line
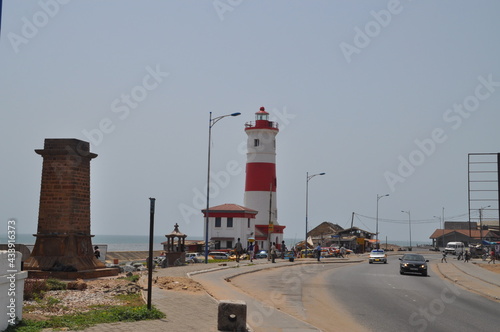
413	221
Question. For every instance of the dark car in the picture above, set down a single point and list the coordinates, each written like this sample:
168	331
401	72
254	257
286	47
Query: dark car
413	263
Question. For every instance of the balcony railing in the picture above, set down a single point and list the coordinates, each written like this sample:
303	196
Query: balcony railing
252	124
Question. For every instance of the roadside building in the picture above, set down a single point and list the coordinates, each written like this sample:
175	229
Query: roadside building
357	239
474	236
227	223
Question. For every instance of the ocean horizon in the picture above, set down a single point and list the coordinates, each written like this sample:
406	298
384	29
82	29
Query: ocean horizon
141	242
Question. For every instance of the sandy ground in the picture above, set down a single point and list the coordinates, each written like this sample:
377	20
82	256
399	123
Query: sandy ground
492	267
316	306
178	284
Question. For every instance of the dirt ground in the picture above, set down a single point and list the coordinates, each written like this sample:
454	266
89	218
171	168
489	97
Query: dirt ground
178	284
491	267
89	293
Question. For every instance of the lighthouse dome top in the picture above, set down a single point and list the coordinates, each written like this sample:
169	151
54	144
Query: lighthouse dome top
261	121
262	114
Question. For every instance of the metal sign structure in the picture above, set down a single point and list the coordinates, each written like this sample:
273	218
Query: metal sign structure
484	189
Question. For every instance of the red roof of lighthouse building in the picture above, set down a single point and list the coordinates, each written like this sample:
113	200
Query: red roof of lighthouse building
230	210
262	231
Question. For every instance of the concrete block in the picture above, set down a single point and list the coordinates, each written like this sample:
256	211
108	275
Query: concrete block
232	316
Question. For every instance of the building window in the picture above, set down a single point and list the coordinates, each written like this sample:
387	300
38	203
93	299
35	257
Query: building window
229	244
256	142
217	244
248	223
229	222
218	222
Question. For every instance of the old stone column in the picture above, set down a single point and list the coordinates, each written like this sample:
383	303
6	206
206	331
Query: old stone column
63	239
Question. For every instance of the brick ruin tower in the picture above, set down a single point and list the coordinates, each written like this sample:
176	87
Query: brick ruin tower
63	246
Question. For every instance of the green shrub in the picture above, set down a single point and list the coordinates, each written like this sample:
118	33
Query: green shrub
55	284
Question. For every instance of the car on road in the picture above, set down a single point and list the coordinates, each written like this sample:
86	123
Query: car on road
218	255
413	263
377	256
194	257
261	254
454	248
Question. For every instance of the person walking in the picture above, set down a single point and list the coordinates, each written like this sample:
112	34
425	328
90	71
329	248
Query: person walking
250	251
342	252
318	251
283	249
273	252
97	252
492	256
443	259
466	256
238	249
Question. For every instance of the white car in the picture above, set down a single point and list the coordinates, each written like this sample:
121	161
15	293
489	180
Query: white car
194	257
377	255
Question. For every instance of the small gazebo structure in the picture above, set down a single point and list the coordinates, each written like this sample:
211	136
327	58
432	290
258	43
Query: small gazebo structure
175	246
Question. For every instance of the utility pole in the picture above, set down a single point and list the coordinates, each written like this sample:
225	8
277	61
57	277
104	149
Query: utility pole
150	258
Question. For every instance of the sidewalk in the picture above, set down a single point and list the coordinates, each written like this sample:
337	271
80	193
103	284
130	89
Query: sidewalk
198	312
472	276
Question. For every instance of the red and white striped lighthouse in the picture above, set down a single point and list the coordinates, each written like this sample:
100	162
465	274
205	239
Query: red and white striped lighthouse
261	183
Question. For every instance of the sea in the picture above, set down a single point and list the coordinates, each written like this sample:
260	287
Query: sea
141	242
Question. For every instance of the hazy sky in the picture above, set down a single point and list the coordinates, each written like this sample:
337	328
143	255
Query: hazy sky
385	97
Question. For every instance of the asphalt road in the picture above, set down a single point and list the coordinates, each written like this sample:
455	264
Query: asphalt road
381	299
371	297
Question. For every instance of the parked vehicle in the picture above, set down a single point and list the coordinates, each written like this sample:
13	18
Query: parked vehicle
413	263
455	248
261	254
311	253
218	255
194	257
377	255
242	257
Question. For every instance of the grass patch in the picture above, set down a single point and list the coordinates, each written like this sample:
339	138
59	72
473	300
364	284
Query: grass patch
55	284
132	278
79	321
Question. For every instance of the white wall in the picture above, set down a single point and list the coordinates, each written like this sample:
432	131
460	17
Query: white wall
239	230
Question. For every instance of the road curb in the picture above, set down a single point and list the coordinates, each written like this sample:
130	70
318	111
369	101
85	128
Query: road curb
463	285
267	266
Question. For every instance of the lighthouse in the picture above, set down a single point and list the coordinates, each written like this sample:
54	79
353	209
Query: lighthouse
261	182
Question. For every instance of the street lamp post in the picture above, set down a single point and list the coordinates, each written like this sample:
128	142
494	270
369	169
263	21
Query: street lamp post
481	222
211	123
308	177
376	231
409	223
442	227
